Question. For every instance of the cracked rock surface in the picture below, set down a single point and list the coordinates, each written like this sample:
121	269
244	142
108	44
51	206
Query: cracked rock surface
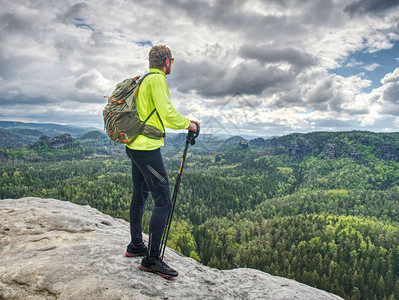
52	249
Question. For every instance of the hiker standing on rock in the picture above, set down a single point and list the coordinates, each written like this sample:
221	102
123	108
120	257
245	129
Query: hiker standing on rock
148	170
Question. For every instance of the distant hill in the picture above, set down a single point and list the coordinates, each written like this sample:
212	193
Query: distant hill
205	143
231	143
62	147
45	128
99	143
94	138
17	137
328	145
17	134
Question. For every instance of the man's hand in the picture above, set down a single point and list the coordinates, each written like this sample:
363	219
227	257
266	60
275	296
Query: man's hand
193	126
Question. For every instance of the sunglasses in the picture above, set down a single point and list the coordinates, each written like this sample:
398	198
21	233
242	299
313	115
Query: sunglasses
172	60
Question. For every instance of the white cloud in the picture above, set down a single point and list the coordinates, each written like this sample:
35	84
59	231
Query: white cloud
353	63
55	57
385	99
371	67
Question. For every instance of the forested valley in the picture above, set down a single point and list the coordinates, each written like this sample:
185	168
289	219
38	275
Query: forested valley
321	208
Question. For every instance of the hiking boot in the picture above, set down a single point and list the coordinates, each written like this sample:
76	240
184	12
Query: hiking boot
136	250
157	266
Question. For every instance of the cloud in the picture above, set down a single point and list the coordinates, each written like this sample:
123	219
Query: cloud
361	7
58	60
390	88
372	67
92	82
211	80
391	77
385	99
353	63
295	58
76	14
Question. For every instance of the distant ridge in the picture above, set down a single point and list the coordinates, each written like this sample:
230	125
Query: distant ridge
327	144
49	129
17	137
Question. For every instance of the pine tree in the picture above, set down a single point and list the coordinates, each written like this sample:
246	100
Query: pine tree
396	290
380	292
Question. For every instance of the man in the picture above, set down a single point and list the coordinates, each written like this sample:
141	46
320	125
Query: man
149	174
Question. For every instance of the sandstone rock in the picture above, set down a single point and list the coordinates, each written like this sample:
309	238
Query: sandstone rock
51	249
355	155
44	141
294	150
300	147
304	145
243	144
257	143
387	151
331	151
61	141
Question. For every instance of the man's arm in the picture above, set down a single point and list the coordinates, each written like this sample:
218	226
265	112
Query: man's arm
170	116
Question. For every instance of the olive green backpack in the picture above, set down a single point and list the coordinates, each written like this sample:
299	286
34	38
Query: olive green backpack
121	119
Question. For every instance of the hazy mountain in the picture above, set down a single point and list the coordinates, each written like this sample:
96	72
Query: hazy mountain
45	128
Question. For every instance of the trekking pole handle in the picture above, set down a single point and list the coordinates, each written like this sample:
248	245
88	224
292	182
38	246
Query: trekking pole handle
198	131
191	136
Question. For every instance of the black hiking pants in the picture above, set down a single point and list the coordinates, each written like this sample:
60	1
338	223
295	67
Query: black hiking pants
149	175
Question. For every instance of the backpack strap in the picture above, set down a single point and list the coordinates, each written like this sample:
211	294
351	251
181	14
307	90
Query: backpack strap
154	110
160	120
141	80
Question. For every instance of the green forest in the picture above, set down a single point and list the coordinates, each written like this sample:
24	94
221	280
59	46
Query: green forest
321	208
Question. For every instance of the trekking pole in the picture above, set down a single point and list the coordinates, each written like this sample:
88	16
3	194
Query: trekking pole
191	136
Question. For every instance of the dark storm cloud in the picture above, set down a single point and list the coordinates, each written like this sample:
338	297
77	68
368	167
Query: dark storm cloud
18	23
370	6
211	80
296	58
232	16
11	22
322	93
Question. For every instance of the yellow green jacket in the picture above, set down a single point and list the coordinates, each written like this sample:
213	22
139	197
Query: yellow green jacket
154	93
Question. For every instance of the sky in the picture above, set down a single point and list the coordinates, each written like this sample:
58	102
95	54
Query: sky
250	68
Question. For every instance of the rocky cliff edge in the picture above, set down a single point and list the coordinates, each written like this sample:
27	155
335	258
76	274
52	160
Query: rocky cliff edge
52	249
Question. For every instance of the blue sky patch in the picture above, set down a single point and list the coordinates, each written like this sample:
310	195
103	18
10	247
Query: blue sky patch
372	66
80	23
144	43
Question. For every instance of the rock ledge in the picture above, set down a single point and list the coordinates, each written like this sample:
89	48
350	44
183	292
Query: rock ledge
52	249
